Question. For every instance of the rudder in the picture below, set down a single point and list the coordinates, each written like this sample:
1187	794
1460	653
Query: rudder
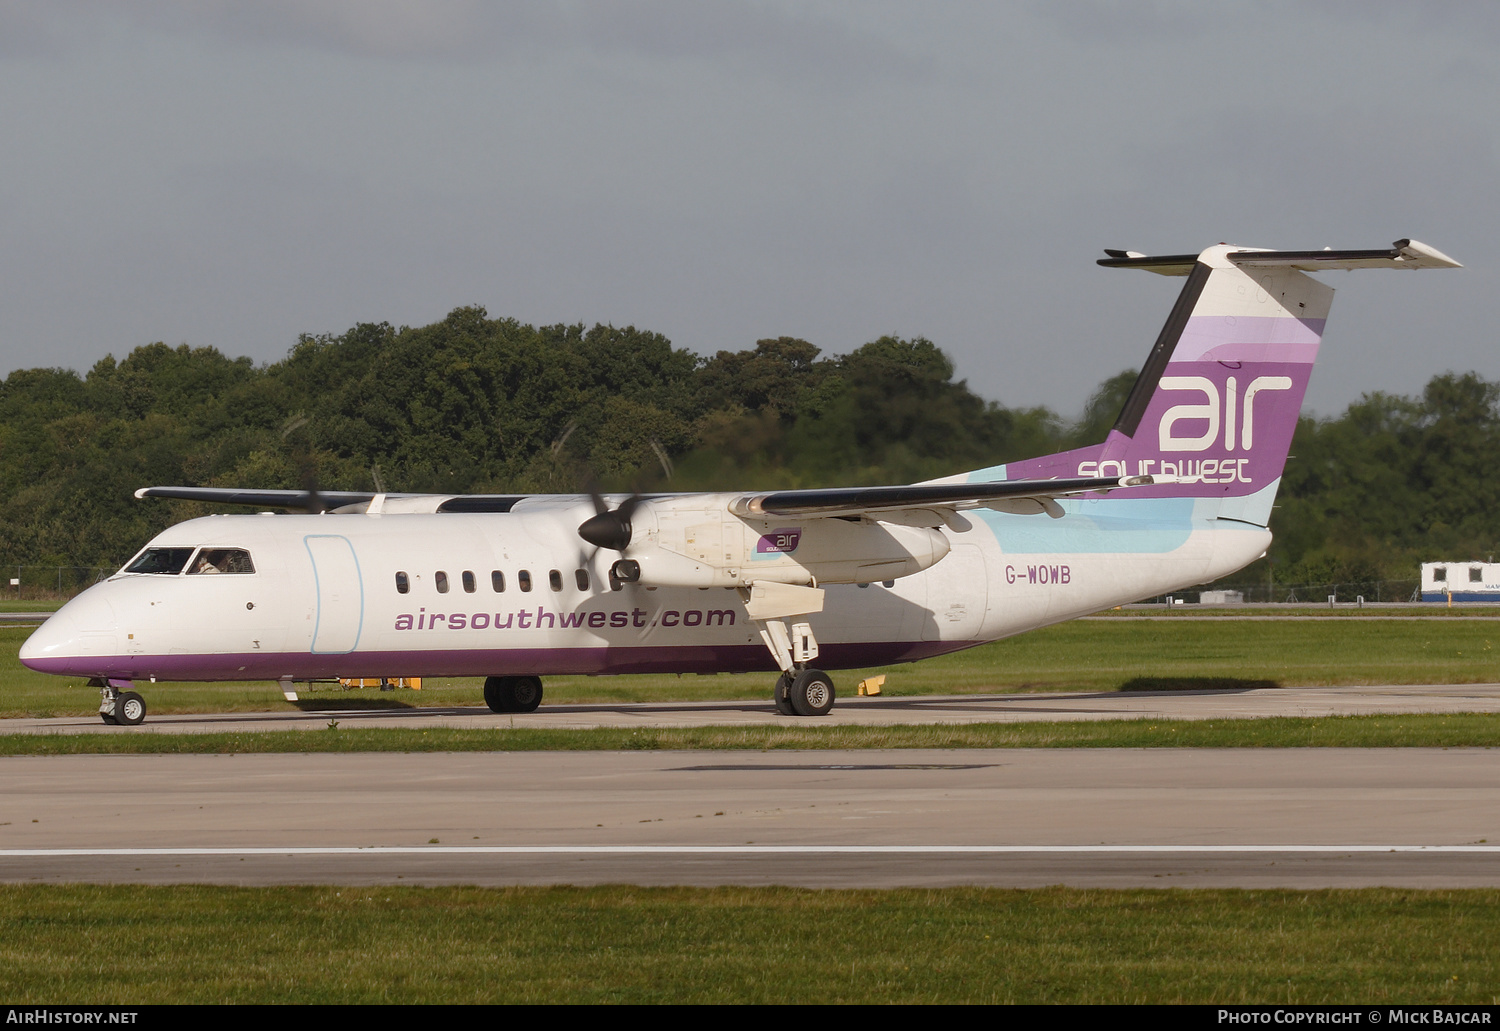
1218	399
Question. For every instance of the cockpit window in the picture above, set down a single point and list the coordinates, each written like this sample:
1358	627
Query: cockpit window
160	560
222	560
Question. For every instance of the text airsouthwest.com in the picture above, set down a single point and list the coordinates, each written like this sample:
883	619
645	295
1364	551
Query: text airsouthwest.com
1435	1016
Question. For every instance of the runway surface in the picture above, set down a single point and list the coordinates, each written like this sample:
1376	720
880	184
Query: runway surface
1297	818
917	709
1008	817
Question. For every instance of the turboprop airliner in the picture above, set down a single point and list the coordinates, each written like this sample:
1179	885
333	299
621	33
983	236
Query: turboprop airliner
516	587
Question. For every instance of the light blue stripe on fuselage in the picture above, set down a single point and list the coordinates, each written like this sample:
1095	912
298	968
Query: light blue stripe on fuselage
1098	525
1125	525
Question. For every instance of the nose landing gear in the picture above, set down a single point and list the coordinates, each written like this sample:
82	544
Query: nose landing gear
119	708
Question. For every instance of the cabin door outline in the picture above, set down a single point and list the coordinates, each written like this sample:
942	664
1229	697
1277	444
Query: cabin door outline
339	586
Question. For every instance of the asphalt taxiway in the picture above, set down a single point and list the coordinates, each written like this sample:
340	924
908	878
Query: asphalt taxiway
871	711
1297	818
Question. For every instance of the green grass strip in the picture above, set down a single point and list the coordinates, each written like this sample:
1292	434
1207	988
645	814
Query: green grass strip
1458	730
130	944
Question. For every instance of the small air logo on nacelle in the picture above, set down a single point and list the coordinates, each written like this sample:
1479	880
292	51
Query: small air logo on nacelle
778	542
1219	414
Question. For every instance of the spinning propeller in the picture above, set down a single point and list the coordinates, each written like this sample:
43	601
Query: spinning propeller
609	527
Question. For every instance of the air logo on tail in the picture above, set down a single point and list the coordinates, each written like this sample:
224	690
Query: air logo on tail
1209	412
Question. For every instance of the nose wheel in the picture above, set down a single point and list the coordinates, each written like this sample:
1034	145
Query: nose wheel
121	708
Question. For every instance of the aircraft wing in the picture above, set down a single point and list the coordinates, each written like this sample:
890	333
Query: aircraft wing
332	500
814	503
872	501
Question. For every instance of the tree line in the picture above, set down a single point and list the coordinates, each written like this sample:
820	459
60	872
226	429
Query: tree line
475	404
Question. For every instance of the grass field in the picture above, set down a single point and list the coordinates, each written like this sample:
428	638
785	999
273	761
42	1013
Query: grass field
1458	730
189	944
1094	655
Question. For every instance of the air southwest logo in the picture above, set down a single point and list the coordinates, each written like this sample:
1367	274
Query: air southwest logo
778	542
545	619
1214	413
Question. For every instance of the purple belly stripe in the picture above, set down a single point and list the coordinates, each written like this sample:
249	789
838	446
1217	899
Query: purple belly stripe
481	662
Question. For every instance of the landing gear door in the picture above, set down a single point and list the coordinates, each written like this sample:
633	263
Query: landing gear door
957	596
341	598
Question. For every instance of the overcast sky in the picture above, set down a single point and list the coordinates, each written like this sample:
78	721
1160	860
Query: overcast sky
236	173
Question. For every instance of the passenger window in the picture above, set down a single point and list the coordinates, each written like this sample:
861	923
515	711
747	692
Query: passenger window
497	581
555	579
403	583
523	578
222	560
160	560
441	579
582	578
469	585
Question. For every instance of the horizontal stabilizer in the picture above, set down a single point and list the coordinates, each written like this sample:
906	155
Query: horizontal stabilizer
1408	254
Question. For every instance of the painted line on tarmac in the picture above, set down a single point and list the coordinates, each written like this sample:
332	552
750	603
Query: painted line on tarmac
658	850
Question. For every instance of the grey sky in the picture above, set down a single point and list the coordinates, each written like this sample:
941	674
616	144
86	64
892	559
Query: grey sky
232	174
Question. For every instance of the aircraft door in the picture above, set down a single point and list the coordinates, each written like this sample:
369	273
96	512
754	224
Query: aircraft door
341	598
958	591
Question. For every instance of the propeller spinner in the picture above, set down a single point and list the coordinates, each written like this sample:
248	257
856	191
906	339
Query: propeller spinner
609	528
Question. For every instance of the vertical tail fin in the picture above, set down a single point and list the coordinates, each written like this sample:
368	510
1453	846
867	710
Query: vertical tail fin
1218	398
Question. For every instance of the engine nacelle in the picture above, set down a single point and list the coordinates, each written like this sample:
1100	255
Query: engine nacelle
697	542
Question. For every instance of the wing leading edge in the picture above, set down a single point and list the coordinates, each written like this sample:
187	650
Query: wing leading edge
814	503
337	500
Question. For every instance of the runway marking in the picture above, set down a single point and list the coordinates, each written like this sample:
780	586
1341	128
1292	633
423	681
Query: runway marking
657	850
742	767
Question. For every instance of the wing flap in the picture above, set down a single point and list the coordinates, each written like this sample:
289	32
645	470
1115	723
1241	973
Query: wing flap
871	501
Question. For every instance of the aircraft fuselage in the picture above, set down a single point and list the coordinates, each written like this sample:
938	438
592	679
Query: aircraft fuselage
515	593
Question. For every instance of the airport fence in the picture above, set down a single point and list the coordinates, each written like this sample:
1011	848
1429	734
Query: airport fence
49	583
1351	592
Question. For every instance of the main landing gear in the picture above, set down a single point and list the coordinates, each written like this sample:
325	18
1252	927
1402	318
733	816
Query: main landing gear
800	690
119	708
512	694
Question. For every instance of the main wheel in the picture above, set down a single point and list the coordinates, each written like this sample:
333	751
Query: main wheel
130	709
107	718
784	703
526	693
497	694
513	694
811	693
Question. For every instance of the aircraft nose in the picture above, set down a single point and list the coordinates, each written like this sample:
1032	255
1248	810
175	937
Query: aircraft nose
84	627
55	639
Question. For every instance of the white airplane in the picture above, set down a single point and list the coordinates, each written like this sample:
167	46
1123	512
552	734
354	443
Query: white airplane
513	588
